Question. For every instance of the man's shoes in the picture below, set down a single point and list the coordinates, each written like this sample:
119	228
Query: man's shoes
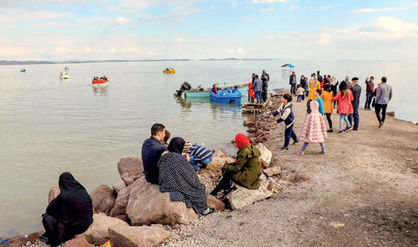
347	128
284	148
330	130
380	124
355	129
295	141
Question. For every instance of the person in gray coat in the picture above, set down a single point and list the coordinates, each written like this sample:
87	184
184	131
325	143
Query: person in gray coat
258	88
383	96
356	90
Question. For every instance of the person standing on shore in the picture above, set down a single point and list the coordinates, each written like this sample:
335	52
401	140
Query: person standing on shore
252	77
258	87
300	92
69	214
313	86
319	76
383	96
369	92
152	149
293	82
287	116
304	84
327	98
265	78
314	129
318	99
356	90
251	93
347	80
344	98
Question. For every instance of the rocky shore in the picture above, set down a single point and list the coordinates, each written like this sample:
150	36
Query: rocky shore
364	192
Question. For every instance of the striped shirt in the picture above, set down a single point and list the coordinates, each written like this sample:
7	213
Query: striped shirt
200	153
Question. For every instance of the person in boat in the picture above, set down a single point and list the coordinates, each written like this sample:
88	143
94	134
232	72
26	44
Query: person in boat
69	214
178	177
152	149
215	89
227	90
235	90
245	171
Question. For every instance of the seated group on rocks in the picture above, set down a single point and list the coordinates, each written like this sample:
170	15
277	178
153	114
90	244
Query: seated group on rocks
170	166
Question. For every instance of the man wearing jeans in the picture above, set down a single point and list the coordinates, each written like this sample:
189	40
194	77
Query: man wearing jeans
258	88
369	92
383	96
356	90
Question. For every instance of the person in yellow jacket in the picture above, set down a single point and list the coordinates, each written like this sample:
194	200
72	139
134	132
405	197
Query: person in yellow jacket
326	96
313	86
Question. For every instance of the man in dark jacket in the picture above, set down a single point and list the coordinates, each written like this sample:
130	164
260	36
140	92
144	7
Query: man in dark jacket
356	90
292	82
304	84
265	78
152	150
369	92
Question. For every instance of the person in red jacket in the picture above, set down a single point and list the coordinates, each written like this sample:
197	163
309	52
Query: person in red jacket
345	108
251	93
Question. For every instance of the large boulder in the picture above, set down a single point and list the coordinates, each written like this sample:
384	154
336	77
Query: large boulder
147	205
103	198
130	169
272	171
119	208
137	236
98	231
118	186
215	203
242	197
53	193
266	155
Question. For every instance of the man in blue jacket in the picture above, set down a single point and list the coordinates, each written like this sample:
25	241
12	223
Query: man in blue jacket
152	149
287	116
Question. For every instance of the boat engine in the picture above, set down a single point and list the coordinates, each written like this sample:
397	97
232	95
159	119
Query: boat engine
184	87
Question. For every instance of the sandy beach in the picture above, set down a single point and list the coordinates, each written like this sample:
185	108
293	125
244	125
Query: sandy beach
364	192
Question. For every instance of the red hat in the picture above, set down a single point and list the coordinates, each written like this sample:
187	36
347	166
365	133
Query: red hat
241	140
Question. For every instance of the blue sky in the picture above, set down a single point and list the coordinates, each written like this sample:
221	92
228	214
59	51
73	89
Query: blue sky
146	29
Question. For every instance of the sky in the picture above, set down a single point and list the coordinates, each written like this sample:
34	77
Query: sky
325	30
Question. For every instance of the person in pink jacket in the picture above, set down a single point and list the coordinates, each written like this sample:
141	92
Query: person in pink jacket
345	108
314	129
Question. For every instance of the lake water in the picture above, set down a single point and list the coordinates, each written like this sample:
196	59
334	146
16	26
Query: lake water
48	126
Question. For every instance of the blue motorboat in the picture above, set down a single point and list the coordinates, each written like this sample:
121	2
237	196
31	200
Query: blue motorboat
23	70
225	96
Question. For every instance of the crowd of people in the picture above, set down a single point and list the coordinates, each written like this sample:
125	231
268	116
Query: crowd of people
258	88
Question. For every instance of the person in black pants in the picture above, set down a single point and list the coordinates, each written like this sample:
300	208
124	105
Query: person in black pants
356	90
287	116
69	214
383	96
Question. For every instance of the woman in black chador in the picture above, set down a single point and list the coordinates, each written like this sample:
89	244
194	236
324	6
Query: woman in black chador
70	214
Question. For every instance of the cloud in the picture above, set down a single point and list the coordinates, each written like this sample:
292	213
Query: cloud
233	3
248	18
17	15
266	9
177	14
123	21
414	4
235	52
293	7
361	11
268	1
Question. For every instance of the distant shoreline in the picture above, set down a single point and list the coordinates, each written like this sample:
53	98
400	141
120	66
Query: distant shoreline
31	62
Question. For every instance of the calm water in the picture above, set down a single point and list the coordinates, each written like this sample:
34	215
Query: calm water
48	126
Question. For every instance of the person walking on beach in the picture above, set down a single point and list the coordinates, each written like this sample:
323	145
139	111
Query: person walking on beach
265	78
369	92
304	84
287	116
383	96
69	214
344	98
258	88
314	129
152	148
318	99
300	92
356	90
326	96
292	82
313	86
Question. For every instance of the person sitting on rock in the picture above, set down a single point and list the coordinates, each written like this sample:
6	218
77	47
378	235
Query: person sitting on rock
178	177
152	149
69	214
245	171
199	156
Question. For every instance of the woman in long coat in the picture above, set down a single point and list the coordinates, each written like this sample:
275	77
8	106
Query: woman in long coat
313	86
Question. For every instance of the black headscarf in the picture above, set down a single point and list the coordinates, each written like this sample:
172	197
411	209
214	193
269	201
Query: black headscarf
343	86
176	145
73	206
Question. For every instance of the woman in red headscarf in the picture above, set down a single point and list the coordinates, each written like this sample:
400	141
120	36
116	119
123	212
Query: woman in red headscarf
245	171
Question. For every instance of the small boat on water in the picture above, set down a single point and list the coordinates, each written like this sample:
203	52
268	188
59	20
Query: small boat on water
205	92
23	70
169	71
225	96
64	74
102	81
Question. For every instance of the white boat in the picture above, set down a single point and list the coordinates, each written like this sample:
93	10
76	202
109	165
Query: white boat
64	75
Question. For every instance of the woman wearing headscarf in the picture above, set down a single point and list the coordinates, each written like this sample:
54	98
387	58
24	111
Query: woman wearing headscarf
69	214
313	86
178	177
245	171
